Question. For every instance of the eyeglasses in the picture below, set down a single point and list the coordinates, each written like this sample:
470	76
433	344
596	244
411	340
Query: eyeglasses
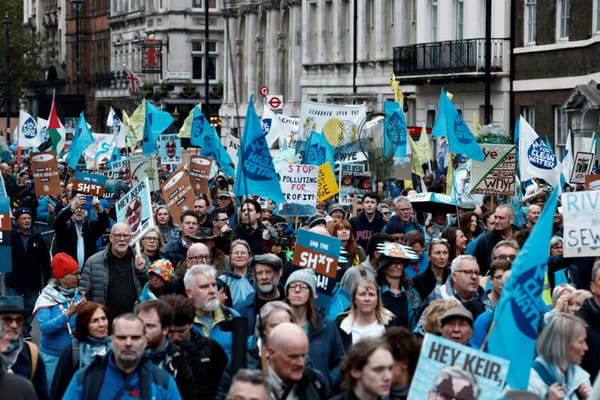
199	258
223	219
404	209
122	235
9	320
298	286
239	253
469	272
387	213
509	257
152	239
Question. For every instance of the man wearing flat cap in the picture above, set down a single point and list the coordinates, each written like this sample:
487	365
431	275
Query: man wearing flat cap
267	272
23	356
457	325
30	264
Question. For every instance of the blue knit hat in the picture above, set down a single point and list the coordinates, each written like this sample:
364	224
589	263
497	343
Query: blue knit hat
304	275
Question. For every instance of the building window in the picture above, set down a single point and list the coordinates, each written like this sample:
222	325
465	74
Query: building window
198	60
458	19
596	17
563	10
433	20
560	128
528	112
212	4
529	34
430	116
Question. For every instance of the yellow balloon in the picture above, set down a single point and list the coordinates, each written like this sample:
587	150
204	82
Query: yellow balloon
334	131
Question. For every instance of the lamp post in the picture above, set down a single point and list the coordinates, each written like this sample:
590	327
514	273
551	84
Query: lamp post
7	23
77	6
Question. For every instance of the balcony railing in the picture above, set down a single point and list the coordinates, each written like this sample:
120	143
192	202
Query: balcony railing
452	56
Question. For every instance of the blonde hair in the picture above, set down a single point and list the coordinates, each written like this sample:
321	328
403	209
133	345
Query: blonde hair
432	317
367	283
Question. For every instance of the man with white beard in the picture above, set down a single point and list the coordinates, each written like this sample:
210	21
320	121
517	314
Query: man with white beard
211	317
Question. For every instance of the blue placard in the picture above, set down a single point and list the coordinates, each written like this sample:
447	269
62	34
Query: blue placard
90	178
319	243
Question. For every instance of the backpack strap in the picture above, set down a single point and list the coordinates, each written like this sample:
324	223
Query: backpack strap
35	355
75	353
543	373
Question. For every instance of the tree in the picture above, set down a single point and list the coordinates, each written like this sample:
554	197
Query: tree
25	52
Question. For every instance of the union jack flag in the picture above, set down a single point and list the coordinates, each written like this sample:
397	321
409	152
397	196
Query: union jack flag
132	79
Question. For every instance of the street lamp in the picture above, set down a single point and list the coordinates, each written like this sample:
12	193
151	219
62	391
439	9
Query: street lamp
77	6
7	23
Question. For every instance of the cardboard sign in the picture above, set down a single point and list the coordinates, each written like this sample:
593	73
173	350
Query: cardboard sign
328	186
89	183
478	375
170	149
200	174
177	194
135	208
45	174
145	167
581	219
318	252
496	174
5	228
299	186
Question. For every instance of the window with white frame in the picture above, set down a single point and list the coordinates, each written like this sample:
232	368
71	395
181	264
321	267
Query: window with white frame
596	17
212	4
529	25
433	20
198	59
560	128
458	19
528	112
563	10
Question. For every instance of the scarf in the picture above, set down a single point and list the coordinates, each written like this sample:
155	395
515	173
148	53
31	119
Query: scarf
13	350
55	296
91	348
158	357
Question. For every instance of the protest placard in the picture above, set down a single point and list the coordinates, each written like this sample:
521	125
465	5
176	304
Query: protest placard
458	371
318	252
328	187
177	194
45	174
122	163
346	169
581	223
100	151
170	149
582	166
231	144
299	186
145	167
92	184
135	209
5	235
496	174
200	174
592	182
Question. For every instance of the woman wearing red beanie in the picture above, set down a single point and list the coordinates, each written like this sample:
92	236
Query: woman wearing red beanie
55	310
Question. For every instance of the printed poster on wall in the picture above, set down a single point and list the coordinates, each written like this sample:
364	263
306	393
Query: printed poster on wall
581	223
177	194
339	124
451	370
135	208
496	174
46	178
299	186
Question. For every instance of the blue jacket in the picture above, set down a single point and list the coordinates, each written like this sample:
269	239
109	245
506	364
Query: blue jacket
326	350
221	316
102	379
240	287
174	251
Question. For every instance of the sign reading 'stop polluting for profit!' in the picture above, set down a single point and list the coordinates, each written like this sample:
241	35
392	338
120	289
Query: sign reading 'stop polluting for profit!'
581	218
299	186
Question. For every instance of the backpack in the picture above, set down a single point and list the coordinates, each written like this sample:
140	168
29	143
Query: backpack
35	355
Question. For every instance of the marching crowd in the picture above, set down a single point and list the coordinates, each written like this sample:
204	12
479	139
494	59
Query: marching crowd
212	307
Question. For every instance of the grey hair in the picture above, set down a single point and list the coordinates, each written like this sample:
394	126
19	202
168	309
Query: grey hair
595	269
510	210
252	376
505	243
243	243
265	312
458	260
560	290
204	269
555	240
561	331
401	199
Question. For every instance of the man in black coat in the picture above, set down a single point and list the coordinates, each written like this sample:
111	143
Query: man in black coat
590	313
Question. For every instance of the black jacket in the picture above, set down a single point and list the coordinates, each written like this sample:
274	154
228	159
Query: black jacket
23	365
590	313
425	282
176	362
15	387
363	229
312	386
31	266
254	237
484	247
66	233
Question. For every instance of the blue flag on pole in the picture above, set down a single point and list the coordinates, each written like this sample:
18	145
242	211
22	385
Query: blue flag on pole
157	121
318	151
203	135
450	124
516	319
82	138
255	171
395	133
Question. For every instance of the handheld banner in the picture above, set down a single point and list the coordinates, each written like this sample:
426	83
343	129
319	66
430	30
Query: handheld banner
89	183
581	223
582	166
320	253
496	174
170	149
457	371
145	167
328	187
135	208
45	174
177	194
299	186
200	174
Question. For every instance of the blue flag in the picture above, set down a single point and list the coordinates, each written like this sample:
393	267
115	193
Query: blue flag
203	135
157	121
82	138
255	171
450	124
516	319
395	133
318	151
